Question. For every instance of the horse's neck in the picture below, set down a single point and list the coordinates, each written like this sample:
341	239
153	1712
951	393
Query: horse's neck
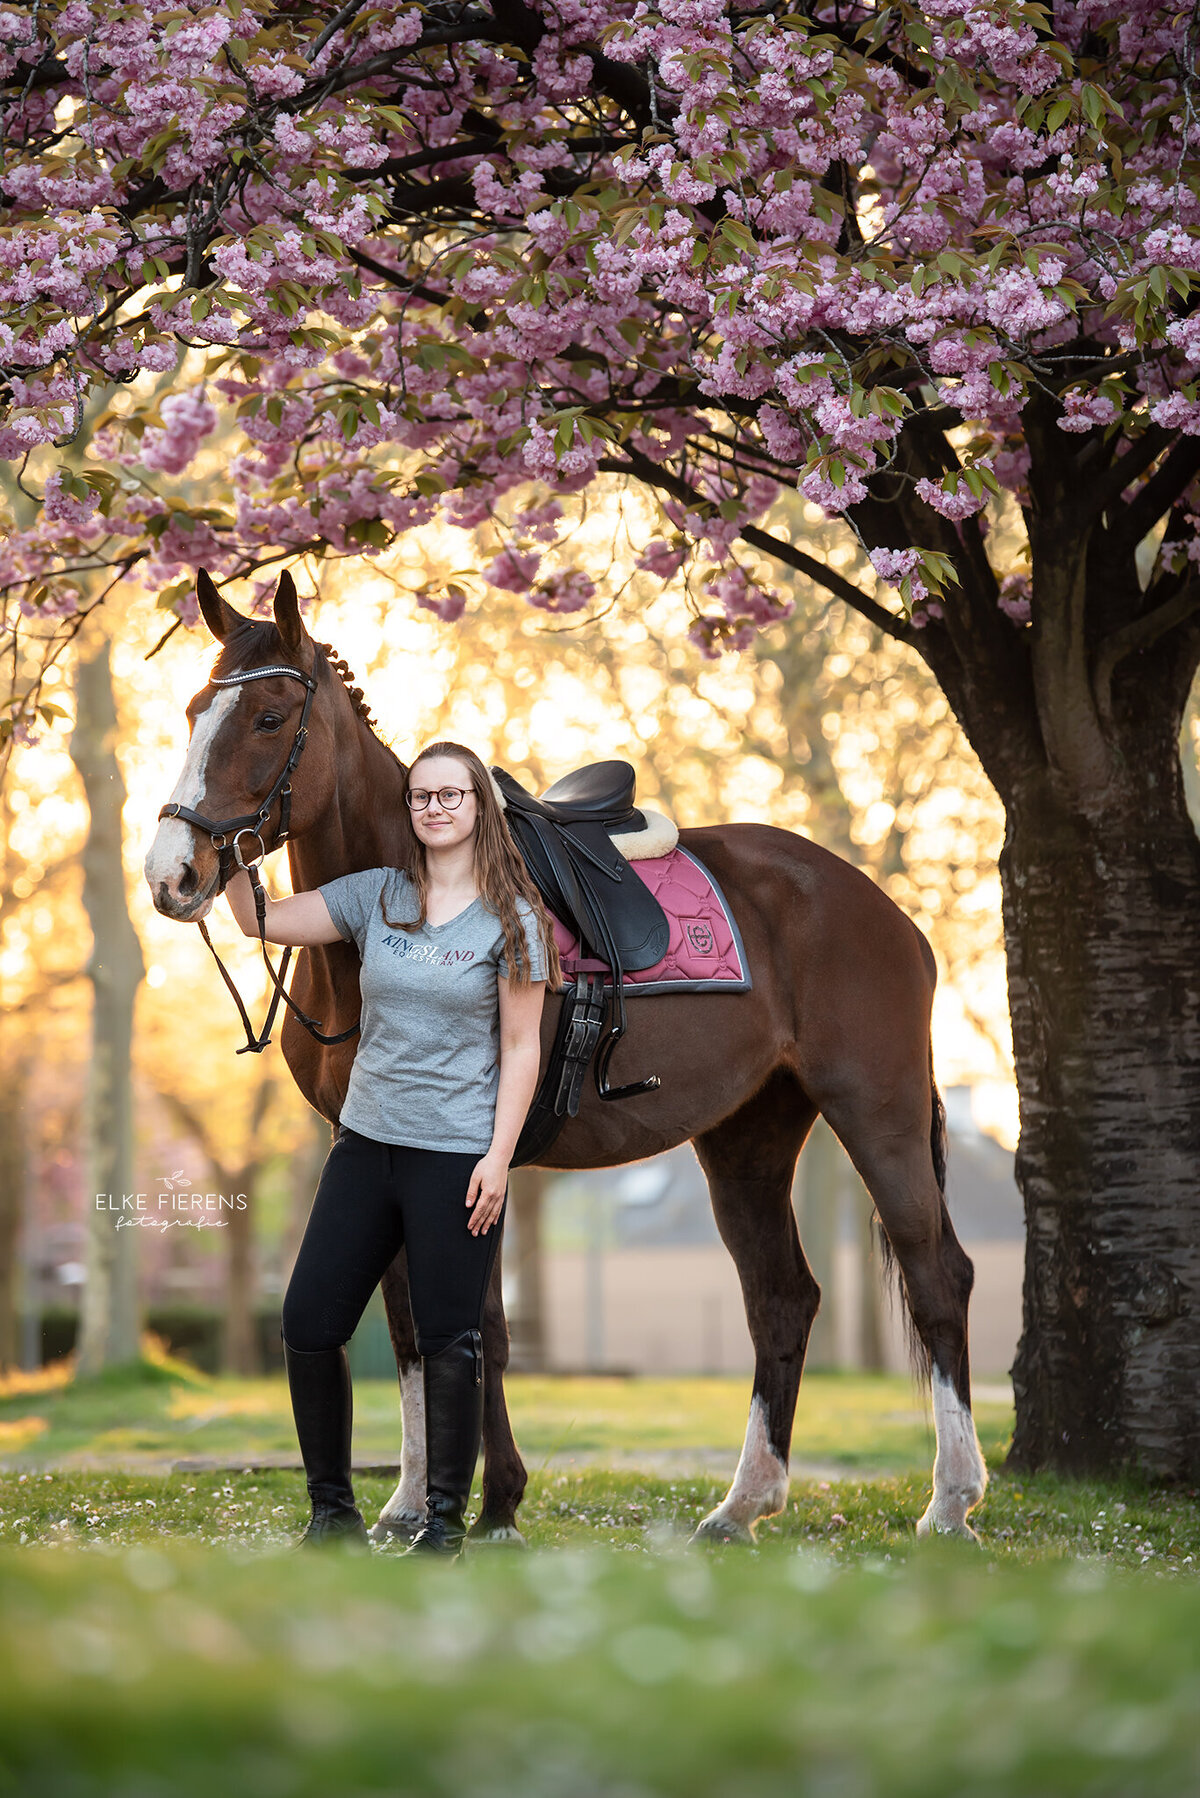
364	825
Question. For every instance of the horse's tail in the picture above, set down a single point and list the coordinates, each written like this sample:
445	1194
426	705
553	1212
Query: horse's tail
918	1354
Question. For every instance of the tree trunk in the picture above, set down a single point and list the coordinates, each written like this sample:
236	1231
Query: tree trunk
820	1169
108	1323
523	1260
13	1170
239	1343
1102	924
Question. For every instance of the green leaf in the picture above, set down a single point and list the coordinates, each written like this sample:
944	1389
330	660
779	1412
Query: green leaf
1058	114
170	596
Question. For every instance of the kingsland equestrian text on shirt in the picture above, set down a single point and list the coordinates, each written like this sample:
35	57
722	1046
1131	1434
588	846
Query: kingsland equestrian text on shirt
427	1066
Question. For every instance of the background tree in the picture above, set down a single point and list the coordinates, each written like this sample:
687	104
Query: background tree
24	1003
904	258
109	1311
235	1175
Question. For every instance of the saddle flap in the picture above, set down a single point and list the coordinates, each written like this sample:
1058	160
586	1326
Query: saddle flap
617	917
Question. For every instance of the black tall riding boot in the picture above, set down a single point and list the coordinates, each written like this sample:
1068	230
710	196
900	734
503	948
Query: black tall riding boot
322	1405
453	1381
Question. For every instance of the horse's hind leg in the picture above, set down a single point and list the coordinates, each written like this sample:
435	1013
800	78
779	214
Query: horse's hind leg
897	1147
750	1161
504	1476
404	1512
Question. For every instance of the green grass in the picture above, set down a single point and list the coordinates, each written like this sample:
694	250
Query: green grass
162	1642
173	1673
612	1462
1127	1524
843	1421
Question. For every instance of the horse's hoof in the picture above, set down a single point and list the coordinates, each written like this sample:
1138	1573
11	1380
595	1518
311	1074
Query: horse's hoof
933	1525
495	1535
720	1529
400	1528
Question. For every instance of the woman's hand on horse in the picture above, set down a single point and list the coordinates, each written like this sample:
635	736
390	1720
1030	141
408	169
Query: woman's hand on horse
300	921
485	1194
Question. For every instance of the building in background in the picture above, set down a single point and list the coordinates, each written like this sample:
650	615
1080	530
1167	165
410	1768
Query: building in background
637	1278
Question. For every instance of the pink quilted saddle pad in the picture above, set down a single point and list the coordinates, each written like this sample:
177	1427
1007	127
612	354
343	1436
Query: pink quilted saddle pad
705	953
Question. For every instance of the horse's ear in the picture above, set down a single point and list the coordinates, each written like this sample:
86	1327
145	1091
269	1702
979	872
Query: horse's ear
220	617
287	613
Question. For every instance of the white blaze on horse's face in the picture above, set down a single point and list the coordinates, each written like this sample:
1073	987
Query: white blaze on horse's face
170	864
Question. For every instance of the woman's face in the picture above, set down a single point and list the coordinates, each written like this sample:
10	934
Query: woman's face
439	825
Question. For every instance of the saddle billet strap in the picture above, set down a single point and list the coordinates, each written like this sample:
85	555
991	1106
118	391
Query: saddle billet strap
557	1098
563	878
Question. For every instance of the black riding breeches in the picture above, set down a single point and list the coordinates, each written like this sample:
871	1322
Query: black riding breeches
373	1199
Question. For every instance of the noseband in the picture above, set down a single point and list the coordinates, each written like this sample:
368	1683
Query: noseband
226	835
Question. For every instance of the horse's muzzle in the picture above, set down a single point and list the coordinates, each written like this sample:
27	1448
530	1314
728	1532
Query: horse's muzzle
184	907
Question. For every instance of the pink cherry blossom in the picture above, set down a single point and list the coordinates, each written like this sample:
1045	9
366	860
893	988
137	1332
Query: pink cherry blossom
400	288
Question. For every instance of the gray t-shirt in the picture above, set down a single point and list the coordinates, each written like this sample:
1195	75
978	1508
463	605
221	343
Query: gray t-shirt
427	1065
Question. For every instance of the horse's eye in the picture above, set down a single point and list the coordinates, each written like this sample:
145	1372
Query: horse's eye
269	721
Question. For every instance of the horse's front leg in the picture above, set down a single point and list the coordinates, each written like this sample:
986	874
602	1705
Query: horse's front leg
504	1476
404	1512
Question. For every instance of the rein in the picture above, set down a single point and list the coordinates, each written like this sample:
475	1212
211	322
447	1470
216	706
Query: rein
226	835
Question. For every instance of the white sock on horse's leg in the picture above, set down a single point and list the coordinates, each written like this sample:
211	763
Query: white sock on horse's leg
760	1485
405	1509
959	1471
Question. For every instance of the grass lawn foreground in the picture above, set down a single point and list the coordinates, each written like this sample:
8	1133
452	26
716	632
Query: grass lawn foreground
161	1639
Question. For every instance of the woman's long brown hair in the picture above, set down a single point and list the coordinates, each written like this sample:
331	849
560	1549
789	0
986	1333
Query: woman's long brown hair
500	872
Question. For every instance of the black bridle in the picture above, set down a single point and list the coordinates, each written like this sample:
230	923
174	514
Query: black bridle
226	835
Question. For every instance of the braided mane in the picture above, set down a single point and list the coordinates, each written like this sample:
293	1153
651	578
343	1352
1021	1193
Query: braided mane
257	640
346	677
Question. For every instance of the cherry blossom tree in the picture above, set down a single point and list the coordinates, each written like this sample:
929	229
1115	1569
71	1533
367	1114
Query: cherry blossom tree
931	265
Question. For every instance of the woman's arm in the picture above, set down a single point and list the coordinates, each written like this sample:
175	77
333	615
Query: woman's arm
520	1056
300	921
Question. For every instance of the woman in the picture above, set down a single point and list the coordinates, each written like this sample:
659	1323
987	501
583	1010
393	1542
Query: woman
456	951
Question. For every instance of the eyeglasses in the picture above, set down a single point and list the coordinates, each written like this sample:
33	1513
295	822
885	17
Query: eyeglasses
448	797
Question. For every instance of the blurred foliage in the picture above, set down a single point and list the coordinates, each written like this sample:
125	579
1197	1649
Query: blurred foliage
156	1669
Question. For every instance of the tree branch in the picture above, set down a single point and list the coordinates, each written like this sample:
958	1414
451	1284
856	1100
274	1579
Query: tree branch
653	475
340	18
1158	495
395	279
1110	485
834	583
1141	633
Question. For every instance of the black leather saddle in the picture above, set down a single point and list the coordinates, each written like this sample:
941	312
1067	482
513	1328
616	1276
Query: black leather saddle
564	838
600	793
582	876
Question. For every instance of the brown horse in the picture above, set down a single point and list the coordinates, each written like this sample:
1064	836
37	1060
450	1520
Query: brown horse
837	1022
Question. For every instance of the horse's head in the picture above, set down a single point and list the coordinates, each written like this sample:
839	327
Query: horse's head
262	706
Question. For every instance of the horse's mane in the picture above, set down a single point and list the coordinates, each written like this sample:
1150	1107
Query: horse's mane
257	641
